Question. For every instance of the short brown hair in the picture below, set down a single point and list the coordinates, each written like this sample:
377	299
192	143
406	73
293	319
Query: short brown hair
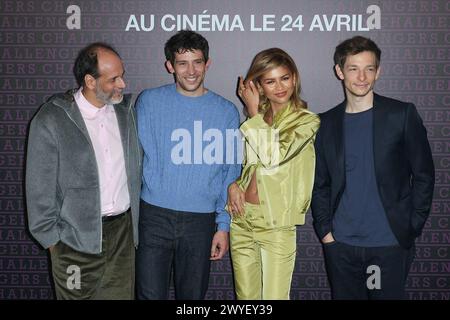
354	46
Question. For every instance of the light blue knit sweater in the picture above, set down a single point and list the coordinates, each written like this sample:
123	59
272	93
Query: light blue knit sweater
180	171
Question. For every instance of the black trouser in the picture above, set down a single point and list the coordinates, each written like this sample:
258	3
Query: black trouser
173	239
374	273
104	276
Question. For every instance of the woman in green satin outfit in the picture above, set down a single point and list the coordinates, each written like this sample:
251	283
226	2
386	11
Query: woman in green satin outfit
273	192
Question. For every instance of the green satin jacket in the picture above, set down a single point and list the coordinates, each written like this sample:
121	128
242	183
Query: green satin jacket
283	157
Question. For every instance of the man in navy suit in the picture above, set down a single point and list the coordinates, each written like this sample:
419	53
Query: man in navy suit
374	181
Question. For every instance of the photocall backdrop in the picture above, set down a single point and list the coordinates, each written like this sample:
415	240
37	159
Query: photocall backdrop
39	41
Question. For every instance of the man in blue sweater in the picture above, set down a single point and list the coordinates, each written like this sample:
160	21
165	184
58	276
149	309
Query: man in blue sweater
186	170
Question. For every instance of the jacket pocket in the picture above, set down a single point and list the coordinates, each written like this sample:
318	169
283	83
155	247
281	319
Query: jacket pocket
80	208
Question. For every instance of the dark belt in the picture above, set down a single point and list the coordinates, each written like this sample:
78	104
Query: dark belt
115	217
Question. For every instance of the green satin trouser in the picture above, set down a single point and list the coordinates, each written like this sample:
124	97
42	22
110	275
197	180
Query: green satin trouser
263	259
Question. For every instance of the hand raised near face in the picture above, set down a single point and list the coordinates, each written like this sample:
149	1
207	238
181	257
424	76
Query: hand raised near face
249	94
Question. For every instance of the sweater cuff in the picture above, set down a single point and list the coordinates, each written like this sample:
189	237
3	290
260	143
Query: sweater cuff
223	227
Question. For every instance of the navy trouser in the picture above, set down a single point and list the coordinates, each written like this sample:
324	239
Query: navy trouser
353	271
173	240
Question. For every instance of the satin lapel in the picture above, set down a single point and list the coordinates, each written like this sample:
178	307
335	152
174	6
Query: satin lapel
338	134
379	118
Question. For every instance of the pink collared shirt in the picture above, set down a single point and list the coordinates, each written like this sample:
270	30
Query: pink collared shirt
104	132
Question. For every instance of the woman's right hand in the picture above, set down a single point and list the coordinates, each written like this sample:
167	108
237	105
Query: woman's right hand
249	95
236	200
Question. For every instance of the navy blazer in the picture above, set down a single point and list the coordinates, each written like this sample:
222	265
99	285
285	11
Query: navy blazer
404	168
